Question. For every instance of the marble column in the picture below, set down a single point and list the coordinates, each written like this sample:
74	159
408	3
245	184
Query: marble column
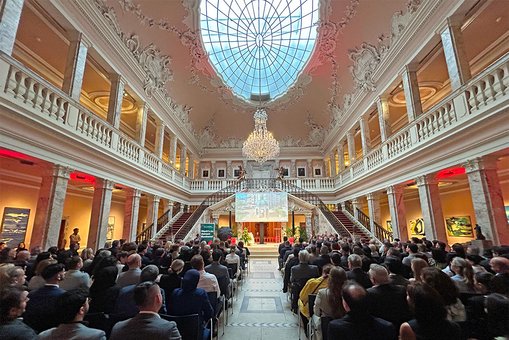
487	199
365	134
293	168
159	142
213	170
309	227
315	224
454	51
75	65
356	205
191	172
141	123
374	209
397	211
431	207
183	156
351	146
411	89
332	159
50	206
153	213
229	173
168	208
382	104
309	170
341	156
173	150
10	13
131	213
101	205
115	101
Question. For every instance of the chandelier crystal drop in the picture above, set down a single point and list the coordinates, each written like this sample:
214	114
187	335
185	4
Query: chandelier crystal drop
260	145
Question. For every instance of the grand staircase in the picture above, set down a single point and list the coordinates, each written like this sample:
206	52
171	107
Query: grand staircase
175	227
351	227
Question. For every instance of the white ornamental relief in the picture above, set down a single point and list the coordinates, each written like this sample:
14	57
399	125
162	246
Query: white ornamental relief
365	60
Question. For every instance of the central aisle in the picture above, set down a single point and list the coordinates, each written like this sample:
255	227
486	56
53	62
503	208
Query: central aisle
261	310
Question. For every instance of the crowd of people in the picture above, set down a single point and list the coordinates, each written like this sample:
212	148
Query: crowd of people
420	289
122	289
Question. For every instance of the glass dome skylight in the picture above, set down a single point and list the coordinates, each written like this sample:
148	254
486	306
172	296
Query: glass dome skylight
259	47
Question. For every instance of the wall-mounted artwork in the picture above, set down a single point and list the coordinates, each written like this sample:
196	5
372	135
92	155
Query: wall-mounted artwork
459	226
111	228
205	173
318	172
14	226
301	172
507	212
417	227
388	227
221	173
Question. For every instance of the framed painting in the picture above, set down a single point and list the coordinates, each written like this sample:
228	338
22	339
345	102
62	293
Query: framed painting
318	172
221	173
14	226
388	224
459	226
301	172
205	173
417	227
111	228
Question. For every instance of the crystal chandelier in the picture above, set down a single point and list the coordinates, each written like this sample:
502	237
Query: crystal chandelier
260	145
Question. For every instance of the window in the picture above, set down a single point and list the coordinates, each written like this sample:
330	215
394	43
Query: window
259	47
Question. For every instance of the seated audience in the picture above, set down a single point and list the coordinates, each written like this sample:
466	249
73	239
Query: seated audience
132	276
38	281
13	302
233	258
500	283
208	281
464	275
74	277
72	306
147	324
173	280
356	273
41	313
387	300
103	291
430	316
358	324
417	264
220	272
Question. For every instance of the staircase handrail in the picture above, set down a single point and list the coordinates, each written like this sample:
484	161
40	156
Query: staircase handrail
383	234
145	234
363	218
379	232
169	224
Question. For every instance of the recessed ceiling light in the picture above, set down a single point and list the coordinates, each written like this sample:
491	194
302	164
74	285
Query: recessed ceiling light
38	39
497	20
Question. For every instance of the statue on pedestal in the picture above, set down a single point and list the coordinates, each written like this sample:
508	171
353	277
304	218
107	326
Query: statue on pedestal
478	233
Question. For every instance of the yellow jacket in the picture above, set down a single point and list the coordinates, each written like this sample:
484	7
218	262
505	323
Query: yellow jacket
311	287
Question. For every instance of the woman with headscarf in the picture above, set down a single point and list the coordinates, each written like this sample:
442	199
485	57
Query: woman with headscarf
192	300
104	292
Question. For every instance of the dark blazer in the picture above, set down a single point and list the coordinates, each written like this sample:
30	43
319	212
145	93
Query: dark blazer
145	326
388	302
191	302
104	300
126	306
71	331
223	278
303	272
16	330
359	276
366	328
40	313
168	283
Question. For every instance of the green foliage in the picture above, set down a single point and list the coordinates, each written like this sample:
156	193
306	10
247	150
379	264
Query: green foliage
289	231
303	233
245	236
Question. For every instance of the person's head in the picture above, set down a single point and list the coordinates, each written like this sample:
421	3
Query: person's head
13	301
426	302
74	263
190	280
326	269
75	231
53	273
147	296
354	261
442	283
497	308
216	255
16	276
461	267
197	262
176	266
354	298
134	261
87	254
23	256
482	282
72	305
378	274
413	248
149	273
417	265
304	256
393	264
499	265
336	258
324	250
142	249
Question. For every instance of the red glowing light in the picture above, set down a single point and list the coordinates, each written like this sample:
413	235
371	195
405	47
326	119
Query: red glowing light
14	154
81	177
450	172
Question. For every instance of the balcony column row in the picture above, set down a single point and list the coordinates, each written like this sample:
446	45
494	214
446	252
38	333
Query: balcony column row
10	14
183	158
341	156
351	146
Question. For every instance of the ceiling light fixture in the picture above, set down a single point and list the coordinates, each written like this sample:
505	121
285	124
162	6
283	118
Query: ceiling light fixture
260	145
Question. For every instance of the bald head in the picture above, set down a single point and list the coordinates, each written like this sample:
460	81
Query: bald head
134	261
354	298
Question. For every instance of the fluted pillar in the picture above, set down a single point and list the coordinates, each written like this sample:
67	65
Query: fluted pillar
454	50
131	213
431	207
382	105
374	209
10	13
101	205
397	211
411	89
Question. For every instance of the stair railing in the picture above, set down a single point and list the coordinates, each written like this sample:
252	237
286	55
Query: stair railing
146	233
349	207
379	232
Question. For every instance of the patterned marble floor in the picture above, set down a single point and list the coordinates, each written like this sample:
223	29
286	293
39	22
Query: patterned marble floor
261	310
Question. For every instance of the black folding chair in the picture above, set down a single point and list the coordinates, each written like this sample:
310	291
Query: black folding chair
218	304
189	326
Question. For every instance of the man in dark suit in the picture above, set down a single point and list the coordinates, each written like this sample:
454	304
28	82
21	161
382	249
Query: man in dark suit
132	276
72	307
356	273
220	272
41	313
303	271
147	324
387	300
357	324
13	302
323	259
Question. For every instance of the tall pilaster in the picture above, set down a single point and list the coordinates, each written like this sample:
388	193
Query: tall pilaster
75	65
356	205
341	156
431	207
229	173
213	170
10	13
397	211
101	205
365	134
173	151
309	227
131	213
183	157
374	209
332	159
168	207
382	104
50	206
454	51
141	123
115	102
293	169
487	199
159	142
309	169
351	146
192	166
153	213
411	89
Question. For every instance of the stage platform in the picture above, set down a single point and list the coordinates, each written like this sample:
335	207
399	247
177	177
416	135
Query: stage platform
267	250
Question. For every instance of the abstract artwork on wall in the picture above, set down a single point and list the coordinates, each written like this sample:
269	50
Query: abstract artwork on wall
507	212
111	228
389	226
417	227
14	226
459	226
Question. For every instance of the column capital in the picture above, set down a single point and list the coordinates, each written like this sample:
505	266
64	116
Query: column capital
412	67
394	189
428	179
373	196
356	201
452	21
105	184
134	192
382	98
480	163
117	77
58	170
77	36
155	198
